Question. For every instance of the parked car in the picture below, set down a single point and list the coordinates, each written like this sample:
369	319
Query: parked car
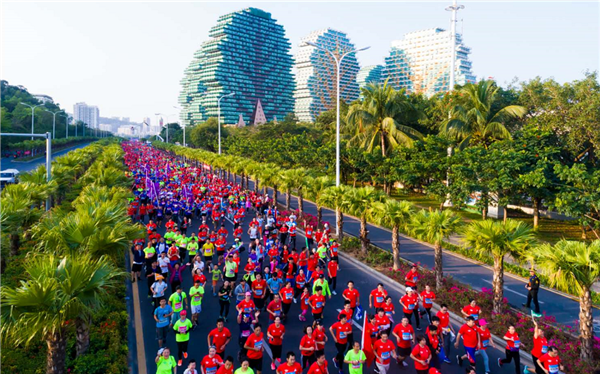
9	176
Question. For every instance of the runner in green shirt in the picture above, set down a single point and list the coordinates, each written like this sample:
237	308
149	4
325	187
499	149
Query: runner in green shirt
355	358
193	247
165	363
245	368
216	275
169	237
177	301
196	294
182	336
324	284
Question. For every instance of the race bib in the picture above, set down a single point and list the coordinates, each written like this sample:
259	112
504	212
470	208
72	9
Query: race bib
258	292
485	343
277	312
211	370
183	329
342	335
553	368
428	301
379	299
178	305
258	344
385	355
405	336
415	279
356	366
319	304
517	344
411	306
544	349
288	296
197	298
246	334
475	316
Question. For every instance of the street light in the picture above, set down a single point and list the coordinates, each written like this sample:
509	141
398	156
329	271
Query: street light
32	115
53	121
219	116
453	8
337	120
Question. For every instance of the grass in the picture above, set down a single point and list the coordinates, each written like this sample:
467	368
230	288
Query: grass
549	230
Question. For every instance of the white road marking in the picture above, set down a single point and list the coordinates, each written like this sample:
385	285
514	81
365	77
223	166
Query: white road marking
358	326
267	349
509	290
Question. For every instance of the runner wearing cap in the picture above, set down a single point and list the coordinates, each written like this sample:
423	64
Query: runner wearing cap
409	304
182	336
485	336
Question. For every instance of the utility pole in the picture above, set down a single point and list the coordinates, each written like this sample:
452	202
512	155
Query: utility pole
454	8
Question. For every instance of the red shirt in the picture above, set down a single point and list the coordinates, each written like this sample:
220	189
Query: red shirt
485	337
317	303
274	307
348	314
287	295
431	371
410	302
434	339
421	353
341	331
219	337
513	345
256	342
259	287
405	333
287	369
200	278
351	295
444	319
211	364
319	336
307	342
247	306
300	281
224	370
304	301
428	298
473	311
388	309
552	364
316	369
382	323
383	350
411	278
378	297
332	266
540	347
469	335
276	333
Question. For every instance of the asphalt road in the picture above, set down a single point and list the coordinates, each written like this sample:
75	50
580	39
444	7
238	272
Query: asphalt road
365	281
564	309
23	167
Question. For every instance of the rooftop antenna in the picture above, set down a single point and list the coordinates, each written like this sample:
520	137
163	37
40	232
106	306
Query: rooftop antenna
454	8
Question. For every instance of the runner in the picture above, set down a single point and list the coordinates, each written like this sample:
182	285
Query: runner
421	355
317	304
165	363
471	341
471	310
427	298
290	366
211	362
485	336
227	367
196	294
191	369
177	301
352	295
551	362
319	366
275	334
162	316
540	348
384	349
308	347
340	331
513	345
254	347
182	336
405	337
409	304
219	337
225	293
355	358
377	296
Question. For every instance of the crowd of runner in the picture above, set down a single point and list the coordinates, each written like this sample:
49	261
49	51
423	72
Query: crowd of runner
281	279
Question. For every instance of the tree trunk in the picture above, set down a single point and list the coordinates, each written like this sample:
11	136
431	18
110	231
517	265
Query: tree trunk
585	324
265	190
484	212
536	212
439	272
354	183
364	240
57	351
498	284
82	328
256	185
441	206
583	233
275	194
340	224
382	145
505	215
396	246
319	215
300	203
288	200
14	244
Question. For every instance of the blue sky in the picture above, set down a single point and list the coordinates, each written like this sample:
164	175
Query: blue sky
128	58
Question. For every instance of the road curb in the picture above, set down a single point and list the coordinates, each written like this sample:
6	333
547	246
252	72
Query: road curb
526	358
139	333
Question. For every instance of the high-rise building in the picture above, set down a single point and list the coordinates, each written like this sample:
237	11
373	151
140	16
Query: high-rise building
420	62
316	74
369	74
247	54
87	114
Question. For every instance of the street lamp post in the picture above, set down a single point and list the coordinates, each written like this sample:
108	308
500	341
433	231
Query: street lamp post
219	116
66	125
32	115
337	119
453	8
53	121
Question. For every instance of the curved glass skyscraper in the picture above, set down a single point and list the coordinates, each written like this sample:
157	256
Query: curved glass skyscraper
316	74
247	54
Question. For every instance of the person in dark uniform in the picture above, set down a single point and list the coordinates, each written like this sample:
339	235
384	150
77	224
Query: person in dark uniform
533	286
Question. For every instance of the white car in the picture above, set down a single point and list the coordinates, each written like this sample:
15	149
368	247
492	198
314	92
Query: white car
8	176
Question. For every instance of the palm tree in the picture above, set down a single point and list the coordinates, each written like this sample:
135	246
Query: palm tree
573	267
498	239
314	189
298	178
270	177
57	291
396	214
377	119
286	183
434	226
254	169
360	202
477	121
334	197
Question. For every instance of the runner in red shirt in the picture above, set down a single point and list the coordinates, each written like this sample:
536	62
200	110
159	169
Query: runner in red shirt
405	337
412	277
321	338
384	350
259	288
287	297
382	322
317	303
291	366
427	298
340	331
512	349
275	333
221	336
421	354
377	296
352	295
300	283
254	345
471	341
211	362
485	337
551	362
332	270
308	347
320	366
274	307
410	303
471	310
227	367
247	305
347	311
540	347
389	308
